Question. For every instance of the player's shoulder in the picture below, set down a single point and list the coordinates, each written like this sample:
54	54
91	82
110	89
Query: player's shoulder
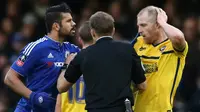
71	46
35	46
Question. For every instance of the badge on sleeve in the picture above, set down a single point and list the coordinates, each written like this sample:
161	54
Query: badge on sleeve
21	60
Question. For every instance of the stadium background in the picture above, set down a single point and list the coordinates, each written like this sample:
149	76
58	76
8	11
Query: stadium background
22	21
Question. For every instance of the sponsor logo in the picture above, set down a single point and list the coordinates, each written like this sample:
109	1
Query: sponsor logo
50	56
142	48
58	64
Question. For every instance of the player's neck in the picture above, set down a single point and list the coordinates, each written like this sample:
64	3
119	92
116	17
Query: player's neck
55	37
160	38
85	45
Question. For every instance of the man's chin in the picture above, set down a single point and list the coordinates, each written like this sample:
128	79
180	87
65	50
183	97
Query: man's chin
72	33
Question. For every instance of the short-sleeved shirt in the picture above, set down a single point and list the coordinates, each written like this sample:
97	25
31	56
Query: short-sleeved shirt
107	68
40	63
163	69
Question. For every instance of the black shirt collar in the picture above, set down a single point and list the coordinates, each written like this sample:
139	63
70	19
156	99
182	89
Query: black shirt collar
103	38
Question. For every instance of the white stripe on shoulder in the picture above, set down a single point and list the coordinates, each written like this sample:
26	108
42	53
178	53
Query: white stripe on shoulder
74	46
66	42
27	47
31	45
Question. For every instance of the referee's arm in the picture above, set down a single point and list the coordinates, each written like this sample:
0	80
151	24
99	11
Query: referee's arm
69	76
138	76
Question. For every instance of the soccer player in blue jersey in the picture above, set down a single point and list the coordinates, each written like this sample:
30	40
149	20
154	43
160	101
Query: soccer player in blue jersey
40	63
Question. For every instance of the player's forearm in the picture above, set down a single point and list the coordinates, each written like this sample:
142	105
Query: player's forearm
16	85
62	84
175	35
58	103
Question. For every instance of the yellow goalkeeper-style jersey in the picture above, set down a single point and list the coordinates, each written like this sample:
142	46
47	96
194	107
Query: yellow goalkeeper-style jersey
163	67
74	99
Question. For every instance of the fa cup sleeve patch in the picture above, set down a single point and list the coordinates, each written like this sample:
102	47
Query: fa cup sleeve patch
21	60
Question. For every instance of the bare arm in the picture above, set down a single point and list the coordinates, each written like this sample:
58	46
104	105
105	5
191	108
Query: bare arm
58	103
174	34
63	85
142	86
138	76
13	81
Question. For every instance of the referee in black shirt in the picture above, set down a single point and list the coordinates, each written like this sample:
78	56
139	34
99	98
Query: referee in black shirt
108	67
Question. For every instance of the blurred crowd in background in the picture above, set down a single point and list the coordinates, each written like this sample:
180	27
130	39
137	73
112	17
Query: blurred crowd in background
22	21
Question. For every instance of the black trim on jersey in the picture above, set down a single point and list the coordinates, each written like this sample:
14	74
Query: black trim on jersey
160	42
176	73
179	50
150	57
168	52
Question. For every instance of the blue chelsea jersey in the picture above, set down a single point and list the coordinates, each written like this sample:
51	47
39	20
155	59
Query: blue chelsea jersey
40	63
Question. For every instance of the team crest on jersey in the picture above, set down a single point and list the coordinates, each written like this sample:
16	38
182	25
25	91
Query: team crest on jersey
67	54
162	48
40	99
21	60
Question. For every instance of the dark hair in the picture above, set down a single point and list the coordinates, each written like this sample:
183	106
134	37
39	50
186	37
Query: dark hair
53	14
102	23
84	32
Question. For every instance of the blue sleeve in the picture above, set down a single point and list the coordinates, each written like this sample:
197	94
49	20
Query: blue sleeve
134	40
26	60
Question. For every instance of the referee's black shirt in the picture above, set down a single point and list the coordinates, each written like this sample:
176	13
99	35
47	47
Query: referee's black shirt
108	67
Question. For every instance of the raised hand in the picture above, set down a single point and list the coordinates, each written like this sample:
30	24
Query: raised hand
162	16
70	58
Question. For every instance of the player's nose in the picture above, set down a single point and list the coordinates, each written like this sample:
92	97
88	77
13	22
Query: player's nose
139	29
73	23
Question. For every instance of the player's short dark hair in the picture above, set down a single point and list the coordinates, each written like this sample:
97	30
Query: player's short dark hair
84	32
102	23
53	14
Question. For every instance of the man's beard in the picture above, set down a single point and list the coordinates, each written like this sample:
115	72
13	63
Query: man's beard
66	36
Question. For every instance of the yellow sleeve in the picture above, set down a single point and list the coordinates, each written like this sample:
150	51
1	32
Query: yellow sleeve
182	54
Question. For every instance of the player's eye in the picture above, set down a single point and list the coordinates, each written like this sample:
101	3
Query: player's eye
143	25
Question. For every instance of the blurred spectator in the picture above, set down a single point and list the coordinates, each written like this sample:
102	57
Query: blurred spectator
3	62
3	42
194	103
3	101
188	84
22	21
12	8
17	44
7	26
28	29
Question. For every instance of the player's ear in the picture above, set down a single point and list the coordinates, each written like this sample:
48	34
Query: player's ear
56	26
113	32
92	32
157	25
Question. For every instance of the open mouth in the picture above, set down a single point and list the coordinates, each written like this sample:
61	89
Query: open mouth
73	29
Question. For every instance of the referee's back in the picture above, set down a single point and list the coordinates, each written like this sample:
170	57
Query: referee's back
107	70
108	67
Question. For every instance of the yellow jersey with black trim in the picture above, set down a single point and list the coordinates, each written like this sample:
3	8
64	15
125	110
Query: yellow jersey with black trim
163	67
74	99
